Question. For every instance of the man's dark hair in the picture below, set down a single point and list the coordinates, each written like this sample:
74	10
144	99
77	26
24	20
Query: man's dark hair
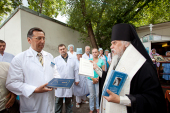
1	41
61	45
30	32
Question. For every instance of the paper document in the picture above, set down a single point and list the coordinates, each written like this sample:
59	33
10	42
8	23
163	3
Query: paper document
86	68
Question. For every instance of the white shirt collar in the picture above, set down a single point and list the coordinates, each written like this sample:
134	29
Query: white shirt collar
86	54
34	52
1	54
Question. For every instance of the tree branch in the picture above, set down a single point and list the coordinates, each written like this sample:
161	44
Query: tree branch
41	4
140	8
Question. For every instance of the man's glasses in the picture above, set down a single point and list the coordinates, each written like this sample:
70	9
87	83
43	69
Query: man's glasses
40	38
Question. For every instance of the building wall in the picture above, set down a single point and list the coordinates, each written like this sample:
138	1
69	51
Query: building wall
162	29
55	33
11	34
159	29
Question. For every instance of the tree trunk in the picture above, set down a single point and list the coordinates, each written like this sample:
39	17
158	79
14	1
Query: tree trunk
88	25
41	4
91	35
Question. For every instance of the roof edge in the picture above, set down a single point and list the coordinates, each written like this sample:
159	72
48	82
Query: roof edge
154	25
10	16
32	12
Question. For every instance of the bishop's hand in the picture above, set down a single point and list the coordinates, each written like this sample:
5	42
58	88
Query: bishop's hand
112	97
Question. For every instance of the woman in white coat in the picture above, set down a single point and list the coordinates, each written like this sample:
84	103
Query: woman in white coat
80	90
71	51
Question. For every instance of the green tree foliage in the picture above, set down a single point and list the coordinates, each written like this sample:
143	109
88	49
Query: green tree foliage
47	7
95	18
154	13
6	6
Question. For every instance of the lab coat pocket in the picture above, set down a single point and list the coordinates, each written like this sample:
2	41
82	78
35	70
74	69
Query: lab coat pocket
27	104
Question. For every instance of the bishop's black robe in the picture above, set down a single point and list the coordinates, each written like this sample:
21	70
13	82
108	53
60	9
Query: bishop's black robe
146	94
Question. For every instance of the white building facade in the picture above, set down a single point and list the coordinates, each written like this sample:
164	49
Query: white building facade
14	32
157	36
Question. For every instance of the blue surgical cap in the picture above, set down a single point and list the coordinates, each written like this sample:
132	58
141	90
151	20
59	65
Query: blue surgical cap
106	50
79	51
100	49
70	46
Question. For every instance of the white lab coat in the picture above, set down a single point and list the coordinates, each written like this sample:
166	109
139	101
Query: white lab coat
86	57
26	74
67	70
82	88
73	55
7	57
109	58
104	59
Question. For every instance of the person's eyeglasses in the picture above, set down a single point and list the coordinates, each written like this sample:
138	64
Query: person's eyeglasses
40	38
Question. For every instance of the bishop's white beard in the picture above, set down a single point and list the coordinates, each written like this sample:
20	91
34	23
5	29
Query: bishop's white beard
116	58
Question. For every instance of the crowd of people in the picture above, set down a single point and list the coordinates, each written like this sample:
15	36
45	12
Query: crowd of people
165	66
27	75
29	71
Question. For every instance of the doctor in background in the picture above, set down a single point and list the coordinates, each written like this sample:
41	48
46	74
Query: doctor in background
108	58
68	69
87	54
80	90
4	56
71	50
101	56
30	72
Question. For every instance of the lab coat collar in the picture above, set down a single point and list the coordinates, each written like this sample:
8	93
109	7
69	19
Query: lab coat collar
68	56
32	52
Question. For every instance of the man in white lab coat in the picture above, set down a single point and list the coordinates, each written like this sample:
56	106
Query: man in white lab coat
68	69
87	54
4	56
30	72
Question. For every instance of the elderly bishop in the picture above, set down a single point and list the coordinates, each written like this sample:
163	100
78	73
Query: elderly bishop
142	92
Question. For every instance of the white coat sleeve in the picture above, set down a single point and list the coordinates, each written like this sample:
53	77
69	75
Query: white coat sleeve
124	100
76	72
56	74
15	80
109	58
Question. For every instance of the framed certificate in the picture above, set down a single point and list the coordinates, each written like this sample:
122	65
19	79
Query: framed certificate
86	68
